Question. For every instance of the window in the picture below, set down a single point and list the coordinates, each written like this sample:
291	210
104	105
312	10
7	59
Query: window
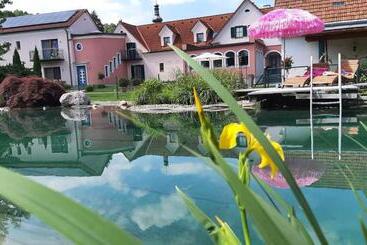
119	58
18	45
199	37
218	63
205	64
52	73
59	144
161	67
243	58
114	63
338	4
111	67
50	49
239	32
106	73
78	47
166	41
230	61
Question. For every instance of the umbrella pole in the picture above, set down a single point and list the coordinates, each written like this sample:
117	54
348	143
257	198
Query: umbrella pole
283	80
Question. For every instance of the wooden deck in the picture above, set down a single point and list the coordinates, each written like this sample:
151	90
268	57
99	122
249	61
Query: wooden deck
322	95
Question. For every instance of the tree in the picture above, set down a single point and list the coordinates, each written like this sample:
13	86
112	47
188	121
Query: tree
37	70
17	63
15	13
109	28
4	47
97	21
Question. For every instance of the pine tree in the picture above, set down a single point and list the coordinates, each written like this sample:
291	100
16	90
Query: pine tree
17	63
97	21
37	63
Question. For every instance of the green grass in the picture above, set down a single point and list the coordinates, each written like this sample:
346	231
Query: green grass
111	96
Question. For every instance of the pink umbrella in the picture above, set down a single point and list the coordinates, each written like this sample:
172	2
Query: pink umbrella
286	23
306	172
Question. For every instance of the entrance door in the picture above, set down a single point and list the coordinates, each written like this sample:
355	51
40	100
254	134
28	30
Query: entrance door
273	72
138	72
81	72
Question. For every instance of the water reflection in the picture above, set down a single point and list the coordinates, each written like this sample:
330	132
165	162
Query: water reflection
128	174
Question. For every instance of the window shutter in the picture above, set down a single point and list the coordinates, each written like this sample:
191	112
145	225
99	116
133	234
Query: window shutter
245	31
233	32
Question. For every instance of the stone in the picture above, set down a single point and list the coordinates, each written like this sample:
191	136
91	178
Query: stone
125	104
75	114
28	92
4	109
76	98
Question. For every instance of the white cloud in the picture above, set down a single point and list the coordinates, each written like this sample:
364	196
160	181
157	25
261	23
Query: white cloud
187	169
111	176
169	210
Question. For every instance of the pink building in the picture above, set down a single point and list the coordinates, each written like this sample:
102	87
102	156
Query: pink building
223	34
74	50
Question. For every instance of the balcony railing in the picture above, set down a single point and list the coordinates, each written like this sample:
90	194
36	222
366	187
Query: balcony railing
52	54
131	55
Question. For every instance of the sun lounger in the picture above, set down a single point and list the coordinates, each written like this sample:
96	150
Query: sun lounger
349	72
300	81
304	80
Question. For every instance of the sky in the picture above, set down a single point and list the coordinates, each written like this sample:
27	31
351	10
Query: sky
135	11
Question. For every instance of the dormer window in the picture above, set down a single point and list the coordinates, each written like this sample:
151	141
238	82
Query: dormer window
200	37
166	41
239	31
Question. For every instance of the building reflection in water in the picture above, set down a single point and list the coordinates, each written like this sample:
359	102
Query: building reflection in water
37	143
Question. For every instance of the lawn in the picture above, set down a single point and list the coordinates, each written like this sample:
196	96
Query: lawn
109	94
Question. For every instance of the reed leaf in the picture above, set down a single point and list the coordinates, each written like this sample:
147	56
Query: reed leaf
79	224
243	117
221	234
364	230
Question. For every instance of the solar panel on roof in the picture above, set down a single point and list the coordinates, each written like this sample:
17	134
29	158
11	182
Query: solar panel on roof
38	19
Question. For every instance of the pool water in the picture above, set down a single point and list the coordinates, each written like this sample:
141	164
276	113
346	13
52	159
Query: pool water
128	173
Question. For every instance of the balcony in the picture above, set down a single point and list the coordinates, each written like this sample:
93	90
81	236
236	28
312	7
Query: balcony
131	55
46	55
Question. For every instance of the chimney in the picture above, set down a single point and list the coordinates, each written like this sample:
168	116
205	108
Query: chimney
157	17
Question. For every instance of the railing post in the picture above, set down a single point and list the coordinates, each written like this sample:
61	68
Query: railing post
311	107
340	104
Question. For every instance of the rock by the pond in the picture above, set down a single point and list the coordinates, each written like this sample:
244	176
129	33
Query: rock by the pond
30	91
76	98
4	109
75	114
124	104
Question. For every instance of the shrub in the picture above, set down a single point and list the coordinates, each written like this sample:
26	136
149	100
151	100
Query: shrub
2	101
13	70
89	88
180	91
124	83
136	82
149	92
101	86
101	76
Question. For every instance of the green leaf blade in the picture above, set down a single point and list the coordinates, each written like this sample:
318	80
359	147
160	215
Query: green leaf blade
74	221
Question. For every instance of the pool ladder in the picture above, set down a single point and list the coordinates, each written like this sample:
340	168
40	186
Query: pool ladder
340	102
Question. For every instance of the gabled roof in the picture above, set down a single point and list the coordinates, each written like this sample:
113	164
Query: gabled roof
55	20
134	31
329	10
148	35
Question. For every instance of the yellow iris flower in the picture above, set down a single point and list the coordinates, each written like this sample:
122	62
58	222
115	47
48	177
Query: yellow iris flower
228	140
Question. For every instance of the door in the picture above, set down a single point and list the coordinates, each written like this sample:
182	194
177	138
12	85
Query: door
50	49
138	72
273	72
81	72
